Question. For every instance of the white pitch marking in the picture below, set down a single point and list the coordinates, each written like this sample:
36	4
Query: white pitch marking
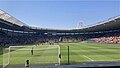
88	58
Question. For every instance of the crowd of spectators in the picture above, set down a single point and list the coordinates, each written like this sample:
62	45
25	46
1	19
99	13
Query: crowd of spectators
20	40
15	40
107	38
72	39
112	39
38	40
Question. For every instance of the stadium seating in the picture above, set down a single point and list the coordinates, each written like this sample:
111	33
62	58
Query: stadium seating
17	34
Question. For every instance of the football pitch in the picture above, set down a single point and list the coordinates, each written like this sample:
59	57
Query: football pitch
79	53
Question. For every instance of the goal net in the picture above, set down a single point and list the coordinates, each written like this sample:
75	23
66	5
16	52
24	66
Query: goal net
21	56
5	57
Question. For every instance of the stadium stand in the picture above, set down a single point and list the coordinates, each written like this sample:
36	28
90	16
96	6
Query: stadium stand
14	32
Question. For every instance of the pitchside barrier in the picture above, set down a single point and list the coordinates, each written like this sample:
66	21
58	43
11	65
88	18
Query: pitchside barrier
26	56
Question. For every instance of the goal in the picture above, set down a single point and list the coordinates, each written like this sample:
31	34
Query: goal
19	56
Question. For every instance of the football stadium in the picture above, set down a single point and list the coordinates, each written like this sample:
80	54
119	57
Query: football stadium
96	45
24	46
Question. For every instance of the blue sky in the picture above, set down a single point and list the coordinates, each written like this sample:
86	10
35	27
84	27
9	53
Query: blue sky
65	14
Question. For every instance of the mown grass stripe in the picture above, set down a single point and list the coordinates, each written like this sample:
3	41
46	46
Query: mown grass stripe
88	58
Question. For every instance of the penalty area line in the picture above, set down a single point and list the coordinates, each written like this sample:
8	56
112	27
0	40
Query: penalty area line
88	58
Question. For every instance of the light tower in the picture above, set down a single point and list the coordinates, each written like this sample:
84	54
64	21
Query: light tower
80	24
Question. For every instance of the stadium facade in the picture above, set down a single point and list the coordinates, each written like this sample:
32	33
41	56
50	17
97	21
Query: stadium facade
15	32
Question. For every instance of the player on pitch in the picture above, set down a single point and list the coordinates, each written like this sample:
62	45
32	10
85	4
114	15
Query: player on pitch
32	51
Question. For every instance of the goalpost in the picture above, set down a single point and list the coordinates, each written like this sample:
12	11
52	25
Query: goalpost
6	56
37	55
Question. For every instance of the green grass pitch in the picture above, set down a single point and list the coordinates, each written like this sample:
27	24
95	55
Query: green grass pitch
90	52
79	52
